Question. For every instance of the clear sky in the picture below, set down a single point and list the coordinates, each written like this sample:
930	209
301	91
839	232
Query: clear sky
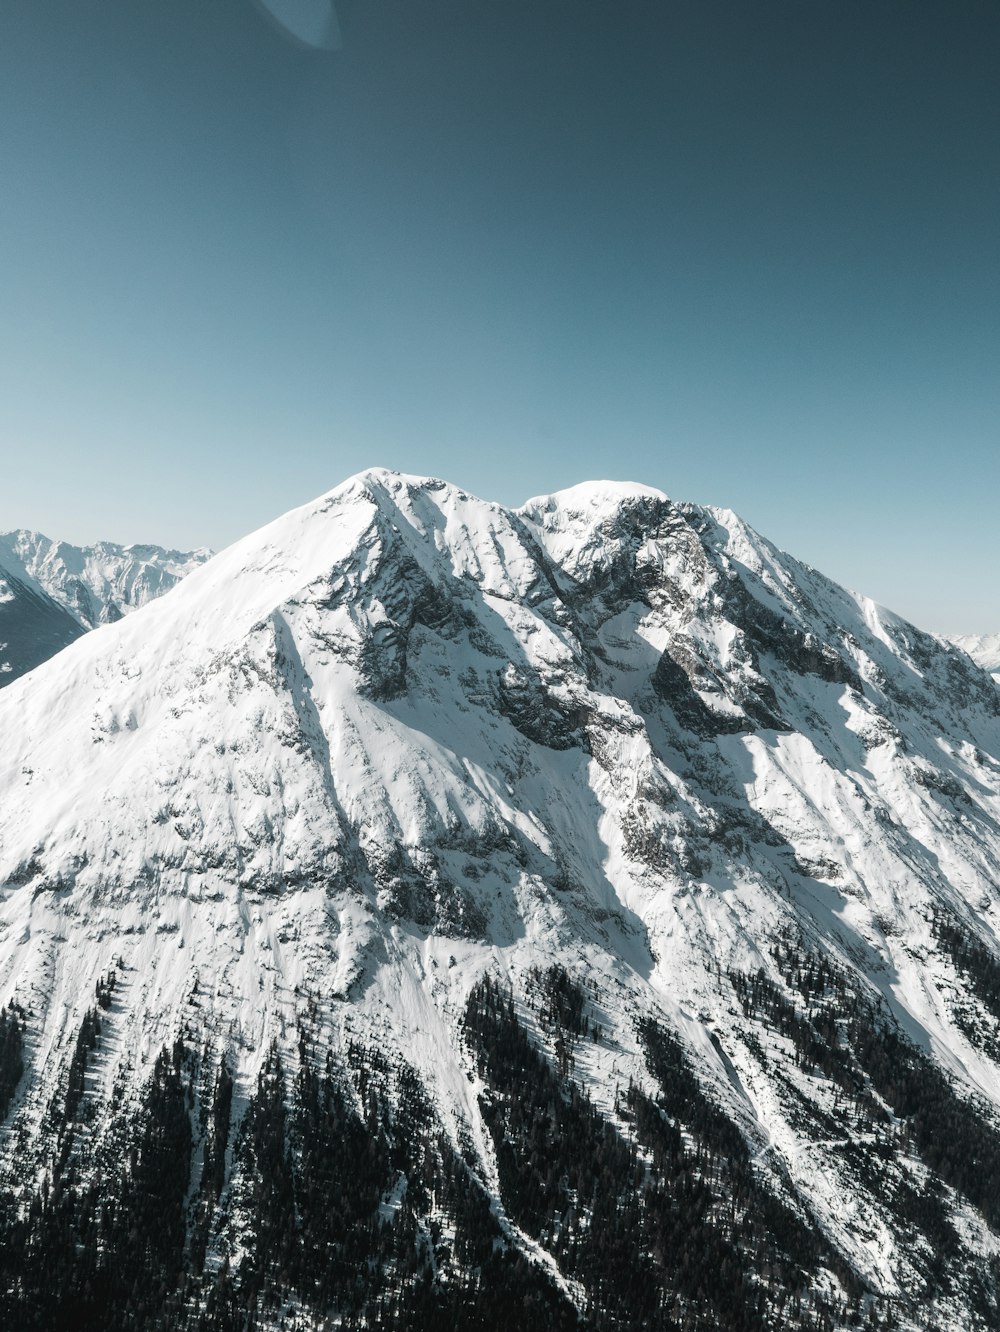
746	252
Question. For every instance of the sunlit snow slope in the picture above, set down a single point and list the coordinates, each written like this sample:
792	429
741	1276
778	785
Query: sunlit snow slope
402	739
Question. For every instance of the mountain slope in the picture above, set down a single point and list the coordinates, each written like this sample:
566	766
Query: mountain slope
569	891
96	584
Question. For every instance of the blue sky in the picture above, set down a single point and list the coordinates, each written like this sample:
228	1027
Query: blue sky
747	252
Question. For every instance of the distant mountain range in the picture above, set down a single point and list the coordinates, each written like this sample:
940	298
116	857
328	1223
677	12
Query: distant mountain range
51	591
433	914
982	648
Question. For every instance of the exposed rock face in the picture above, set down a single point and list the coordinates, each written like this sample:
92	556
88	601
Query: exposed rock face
452	916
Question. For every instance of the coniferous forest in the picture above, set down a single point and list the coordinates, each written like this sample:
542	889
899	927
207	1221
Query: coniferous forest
334	1196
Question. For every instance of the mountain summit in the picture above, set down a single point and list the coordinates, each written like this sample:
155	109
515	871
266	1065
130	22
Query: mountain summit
444	911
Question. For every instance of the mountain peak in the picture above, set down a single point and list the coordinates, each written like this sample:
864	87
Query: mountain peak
402	749
588	496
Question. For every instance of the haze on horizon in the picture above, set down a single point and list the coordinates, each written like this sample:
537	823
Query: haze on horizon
745	252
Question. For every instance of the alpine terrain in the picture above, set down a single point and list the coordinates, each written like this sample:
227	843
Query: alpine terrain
51	591
33	626
982	648
434	915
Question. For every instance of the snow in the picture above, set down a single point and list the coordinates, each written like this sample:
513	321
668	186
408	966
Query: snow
289	777
984	649
99	583
595	497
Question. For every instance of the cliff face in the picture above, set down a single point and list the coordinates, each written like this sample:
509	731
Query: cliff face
457	910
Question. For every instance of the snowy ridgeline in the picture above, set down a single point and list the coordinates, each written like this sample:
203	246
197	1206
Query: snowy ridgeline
451	915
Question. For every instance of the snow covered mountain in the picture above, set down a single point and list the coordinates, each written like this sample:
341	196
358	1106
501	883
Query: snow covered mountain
33	627
96	584
982	648
51	592
433	914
